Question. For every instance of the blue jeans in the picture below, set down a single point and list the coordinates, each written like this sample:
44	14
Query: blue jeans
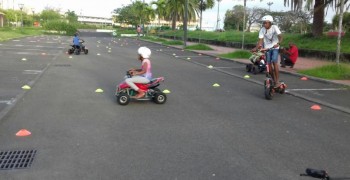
286	61
272	56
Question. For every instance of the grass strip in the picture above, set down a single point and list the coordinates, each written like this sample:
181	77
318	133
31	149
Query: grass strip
199	47
331	72
240	54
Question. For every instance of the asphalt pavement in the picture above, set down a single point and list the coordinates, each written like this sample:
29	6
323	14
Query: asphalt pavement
201	132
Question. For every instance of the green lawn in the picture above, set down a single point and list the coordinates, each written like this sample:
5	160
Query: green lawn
241	54
153	38
323	43
335	72
11	33
173	43
199	47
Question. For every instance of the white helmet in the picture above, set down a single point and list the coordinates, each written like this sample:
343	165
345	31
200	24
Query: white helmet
144	52
267	18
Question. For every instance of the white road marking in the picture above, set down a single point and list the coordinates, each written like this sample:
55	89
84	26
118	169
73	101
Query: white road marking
313	90
188	56
322	89
19	45
51	47
25	52
8	102
32	71
227	67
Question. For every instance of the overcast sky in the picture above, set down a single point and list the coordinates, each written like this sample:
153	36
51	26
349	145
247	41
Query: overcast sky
103	8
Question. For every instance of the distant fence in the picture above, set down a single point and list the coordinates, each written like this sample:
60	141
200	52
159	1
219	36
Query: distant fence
325	55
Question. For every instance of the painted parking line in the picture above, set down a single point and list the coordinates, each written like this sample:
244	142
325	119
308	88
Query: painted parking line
49	47
26	53
227	67
188	56
321	89
8	102
31	53
32	71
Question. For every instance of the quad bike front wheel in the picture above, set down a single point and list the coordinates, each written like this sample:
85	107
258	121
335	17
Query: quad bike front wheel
248	67
77	52
159	98
268	87
123	99
282	89
70	51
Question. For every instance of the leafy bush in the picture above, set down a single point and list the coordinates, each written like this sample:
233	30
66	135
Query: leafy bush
60	27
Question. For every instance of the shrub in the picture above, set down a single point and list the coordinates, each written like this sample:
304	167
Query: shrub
60	27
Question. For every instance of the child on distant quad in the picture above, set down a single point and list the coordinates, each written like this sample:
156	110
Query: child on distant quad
258	61
256	54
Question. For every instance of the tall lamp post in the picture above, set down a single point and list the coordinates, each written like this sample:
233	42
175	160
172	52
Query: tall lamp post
339	30
21	7
218	16
269	4
185	23
33	10
244	23
201	16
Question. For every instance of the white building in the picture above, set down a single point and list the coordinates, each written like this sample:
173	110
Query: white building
95	20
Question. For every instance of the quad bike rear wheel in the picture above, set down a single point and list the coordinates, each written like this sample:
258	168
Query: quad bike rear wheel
123	99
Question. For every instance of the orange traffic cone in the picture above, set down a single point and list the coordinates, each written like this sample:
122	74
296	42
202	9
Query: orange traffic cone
316	107
23	132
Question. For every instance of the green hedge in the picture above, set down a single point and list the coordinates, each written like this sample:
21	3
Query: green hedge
60	27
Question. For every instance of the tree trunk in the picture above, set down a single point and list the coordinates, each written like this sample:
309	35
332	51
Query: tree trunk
317	24
249	26
173	22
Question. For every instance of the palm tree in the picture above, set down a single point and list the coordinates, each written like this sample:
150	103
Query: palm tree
318	10
204	5
175	10
161	4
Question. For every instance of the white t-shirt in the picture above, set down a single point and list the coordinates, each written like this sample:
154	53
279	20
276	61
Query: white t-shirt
270	36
